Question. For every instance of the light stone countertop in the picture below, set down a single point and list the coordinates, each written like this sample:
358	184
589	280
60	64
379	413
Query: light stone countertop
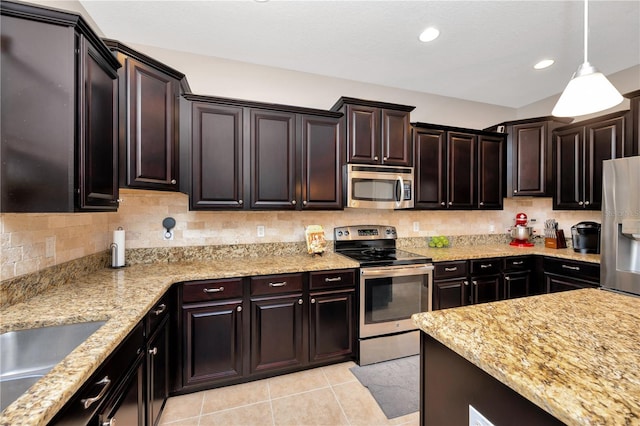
575	354
122	297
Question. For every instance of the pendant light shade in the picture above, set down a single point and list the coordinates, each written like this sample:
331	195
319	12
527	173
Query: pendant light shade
588	91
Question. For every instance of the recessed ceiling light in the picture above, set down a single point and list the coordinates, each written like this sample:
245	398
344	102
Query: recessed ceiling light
545	63
429	34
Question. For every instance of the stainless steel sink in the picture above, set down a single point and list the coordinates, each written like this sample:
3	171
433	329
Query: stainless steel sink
27	355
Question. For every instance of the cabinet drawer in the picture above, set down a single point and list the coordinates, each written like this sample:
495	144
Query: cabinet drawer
201	291
572	268
518	263
446	270
156	314
273	284
330	279
485	266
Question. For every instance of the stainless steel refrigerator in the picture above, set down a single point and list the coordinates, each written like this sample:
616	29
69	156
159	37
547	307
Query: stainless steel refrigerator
620	244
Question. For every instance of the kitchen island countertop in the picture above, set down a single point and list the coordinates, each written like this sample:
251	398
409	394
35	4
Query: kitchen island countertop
122	297
574	354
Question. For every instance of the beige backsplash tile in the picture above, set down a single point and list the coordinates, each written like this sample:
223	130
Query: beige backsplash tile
76	235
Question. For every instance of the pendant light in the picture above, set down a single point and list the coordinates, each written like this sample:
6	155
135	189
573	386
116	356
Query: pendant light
588	91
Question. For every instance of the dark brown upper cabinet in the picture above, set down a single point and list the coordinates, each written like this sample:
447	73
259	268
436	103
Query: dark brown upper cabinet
634	105
458	168
148	120
59	122
579	150
376	132
529	158
250	155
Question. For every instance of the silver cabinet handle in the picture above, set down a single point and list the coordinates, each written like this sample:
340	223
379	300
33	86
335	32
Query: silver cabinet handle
573	268
239	309
586	203
153	351
466	283
475	282
161	309
280	284
515	191
293	202
375	158
450	202
105	382
313	300
580	203
213	290
240	201
384	158
518	263
110	422
442	203
482	203
488	265
300	302
173	181
332	280
455	268
507	278
304	203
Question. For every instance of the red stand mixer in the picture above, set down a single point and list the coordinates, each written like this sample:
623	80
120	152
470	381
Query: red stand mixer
521	232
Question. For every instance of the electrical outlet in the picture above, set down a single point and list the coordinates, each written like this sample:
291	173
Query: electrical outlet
50	247
167	235
477	419
260	230
416	226
492	228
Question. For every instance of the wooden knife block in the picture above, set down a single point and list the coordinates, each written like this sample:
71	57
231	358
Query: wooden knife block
556	243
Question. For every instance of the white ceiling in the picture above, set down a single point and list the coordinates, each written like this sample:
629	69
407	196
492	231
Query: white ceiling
485	53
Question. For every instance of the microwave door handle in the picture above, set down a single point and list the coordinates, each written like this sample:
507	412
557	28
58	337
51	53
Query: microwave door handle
400	192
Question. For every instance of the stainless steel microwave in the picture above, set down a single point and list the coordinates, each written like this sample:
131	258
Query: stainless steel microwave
379	187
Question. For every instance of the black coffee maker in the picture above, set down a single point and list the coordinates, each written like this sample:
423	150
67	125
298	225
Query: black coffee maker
586	237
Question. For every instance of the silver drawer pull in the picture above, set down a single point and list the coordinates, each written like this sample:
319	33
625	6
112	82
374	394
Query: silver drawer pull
213	290
573	268
486	266
455	268
280	284
518	263
105	382
332	280
161	309
153	351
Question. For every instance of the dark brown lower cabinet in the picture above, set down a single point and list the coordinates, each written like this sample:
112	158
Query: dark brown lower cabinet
516	284
563	275
212	341
158	372
331	318
126	407
276	332
484	289
449	293
556	283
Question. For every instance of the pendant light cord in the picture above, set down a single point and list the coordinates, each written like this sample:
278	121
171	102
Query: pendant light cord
586	29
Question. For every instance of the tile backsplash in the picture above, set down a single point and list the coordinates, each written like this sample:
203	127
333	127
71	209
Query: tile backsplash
30	242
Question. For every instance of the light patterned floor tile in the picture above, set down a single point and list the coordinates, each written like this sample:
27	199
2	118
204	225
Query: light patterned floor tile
359	406
182	407
235	396
293	383
254	415
318	407
339	373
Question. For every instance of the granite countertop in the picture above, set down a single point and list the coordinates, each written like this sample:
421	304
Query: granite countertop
122	297
499	250
575	354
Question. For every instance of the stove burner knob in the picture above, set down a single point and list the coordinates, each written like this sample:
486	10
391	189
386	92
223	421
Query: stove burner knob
339	233
346	233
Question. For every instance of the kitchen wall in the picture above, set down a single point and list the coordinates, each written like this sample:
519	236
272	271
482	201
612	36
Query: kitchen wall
31	242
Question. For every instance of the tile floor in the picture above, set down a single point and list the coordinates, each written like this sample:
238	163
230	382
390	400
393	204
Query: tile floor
323	396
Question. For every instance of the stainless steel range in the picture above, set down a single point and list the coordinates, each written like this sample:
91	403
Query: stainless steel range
394	284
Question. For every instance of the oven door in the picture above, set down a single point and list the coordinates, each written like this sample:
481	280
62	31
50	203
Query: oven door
390	295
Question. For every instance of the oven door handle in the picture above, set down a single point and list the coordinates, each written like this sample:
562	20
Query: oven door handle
396	271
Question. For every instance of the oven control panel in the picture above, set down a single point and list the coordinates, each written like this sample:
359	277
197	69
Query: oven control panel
365	232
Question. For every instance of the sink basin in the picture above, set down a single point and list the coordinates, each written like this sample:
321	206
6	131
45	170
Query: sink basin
27	355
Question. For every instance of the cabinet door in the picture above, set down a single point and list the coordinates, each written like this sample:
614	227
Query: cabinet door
396	142
528	160
450	293
430	170
217	171
363	134
556	283
212	341
150	145
569	169
331	325
157	372
277	332
98	149
321	163
490	172
485	289
273	160
516	284
604	140
461	164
